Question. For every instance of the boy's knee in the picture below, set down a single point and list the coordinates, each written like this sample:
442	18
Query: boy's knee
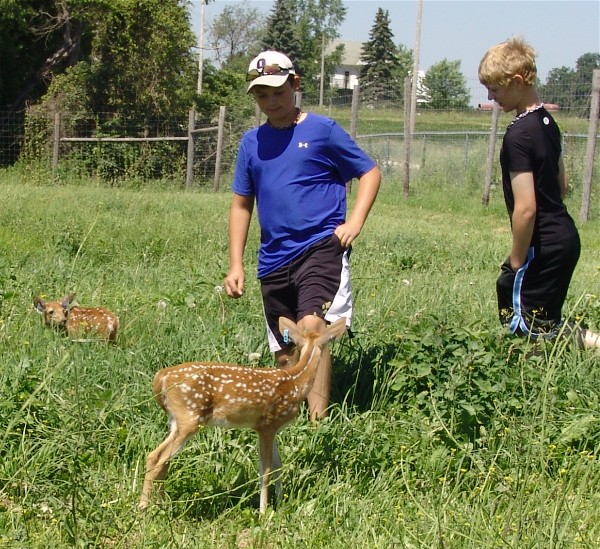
312	323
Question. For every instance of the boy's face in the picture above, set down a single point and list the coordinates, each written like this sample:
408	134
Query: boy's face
506	96
276	103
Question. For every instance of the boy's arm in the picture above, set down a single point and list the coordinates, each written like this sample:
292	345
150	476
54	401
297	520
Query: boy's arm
523	217
240	214
368	187
562	178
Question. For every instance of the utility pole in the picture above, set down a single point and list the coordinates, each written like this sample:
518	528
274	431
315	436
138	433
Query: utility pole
415	72
410	107
201	47
322	83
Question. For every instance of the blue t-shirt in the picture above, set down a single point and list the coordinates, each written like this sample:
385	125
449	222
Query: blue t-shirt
298	177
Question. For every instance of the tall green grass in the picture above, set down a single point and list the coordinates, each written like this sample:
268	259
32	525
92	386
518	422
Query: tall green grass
443	432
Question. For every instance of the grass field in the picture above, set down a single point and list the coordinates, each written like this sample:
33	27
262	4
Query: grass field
443	432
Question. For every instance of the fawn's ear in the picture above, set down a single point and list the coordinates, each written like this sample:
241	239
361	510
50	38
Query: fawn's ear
39	304
333	331
66	301
290	331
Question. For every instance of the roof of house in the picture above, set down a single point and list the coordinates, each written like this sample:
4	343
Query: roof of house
352	51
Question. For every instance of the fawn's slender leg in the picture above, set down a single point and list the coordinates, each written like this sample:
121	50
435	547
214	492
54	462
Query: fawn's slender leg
267	447
276	471
157	464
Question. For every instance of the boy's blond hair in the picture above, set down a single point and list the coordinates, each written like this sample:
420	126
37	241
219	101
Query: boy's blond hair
505	60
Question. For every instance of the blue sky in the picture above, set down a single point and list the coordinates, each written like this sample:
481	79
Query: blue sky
560	30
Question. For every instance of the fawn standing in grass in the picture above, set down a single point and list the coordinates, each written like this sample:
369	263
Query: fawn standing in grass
203	394
97	322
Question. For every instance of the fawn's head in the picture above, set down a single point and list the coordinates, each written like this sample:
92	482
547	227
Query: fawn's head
55	313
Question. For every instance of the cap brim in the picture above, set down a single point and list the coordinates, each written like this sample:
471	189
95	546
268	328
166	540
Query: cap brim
272	80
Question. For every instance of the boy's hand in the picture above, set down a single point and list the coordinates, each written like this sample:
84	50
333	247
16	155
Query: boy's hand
347	233
234	283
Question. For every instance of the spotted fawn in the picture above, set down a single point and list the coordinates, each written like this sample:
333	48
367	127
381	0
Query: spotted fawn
204	394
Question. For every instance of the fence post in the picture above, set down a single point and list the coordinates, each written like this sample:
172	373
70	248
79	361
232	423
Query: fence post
220	133
407	138
591	147
354	111
189	171
485	199
56	144
353	122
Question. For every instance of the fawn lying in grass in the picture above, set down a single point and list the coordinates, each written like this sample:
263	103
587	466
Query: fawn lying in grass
93	323
203	394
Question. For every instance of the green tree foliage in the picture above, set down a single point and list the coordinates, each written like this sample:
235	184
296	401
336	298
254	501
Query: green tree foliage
226	86
447	86
569	88
558	87
281	32
405	56
132	55
321	19
140	60
235	32
381	77
135	75
37	40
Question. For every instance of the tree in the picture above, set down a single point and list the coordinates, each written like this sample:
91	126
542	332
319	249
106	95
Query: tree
135	68
381	77
136	54
38	38
235	32
225	86
584	69
557	89
281	32
324	16
139	60
299	28
571	89
447	86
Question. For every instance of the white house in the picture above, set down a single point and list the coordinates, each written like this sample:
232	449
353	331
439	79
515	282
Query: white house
345	75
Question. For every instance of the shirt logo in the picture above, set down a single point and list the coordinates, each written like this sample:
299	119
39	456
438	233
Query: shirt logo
302	145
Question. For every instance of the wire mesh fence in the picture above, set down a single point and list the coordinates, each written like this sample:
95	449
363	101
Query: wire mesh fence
449	146
457	157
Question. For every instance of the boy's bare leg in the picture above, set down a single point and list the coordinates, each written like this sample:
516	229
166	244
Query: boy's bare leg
318	398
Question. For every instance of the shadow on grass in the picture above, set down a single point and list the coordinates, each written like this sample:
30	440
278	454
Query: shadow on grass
358	370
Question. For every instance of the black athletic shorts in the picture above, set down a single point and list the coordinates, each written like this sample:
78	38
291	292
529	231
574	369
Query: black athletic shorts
317	282
530	299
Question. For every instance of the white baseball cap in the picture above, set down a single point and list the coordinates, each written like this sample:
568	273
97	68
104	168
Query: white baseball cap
269	68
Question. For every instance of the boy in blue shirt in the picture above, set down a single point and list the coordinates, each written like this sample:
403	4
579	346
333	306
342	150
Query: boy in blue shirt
295	166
